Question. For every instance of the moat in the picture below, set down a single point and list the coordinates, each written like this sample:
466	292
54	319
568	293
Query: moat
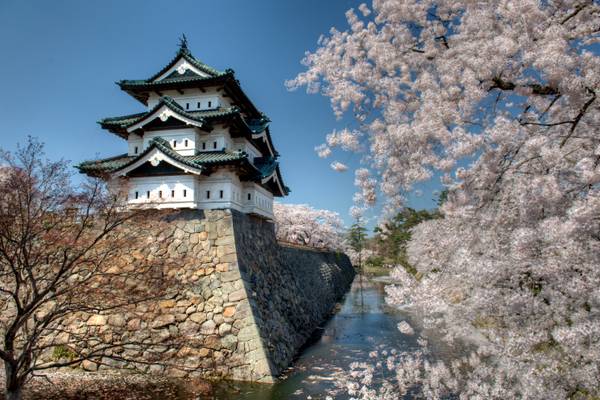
362	323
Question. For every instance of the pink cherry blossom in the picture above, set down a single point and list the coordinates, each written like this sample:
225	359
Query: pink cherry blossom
499	98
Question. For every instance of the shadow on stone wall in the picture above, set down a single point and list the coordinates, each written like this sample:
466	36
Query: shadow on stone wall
291	290
240	306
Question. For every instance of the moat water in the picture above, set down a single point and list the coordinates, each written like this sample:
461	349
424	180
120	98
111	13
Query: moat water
362	323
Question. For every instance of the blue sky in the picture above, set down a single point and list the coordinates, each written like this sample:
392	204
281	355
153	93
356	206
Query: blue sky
61	59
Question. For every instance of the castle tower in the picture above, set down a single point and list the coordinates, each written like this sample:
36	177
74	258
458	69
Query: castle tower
200	144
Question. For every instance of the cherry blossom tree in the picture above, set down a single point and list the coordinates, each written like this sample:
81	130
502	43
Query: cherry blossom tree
61	257
304	225
500	99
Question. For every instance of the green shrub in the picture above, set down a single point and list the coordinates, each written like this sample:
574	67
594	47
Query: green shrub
61	352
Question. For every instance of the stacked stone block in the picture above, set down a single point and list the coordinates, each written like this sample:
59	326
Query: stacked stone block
242	304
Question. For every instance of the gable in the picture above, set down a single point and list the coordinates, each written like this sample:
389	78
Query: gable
181	68
156	158
147	169
164	113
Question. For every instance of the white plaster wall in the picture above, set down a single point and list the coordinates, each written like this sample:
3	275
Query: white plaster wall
260	201
177	191
199	102
220	136
176	138
135	144
193	96
197	141
220	190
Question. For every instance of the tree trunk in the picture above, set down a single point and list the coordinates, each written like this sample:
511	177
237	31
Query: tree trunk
14	390
13	394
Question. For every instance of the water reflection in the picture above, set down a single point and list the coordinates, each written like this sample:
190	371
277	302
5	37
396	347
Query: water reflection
362	323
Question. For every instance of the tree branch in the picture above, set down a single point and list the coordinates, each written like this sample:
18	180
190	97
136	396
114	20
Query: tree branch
499	83
579	116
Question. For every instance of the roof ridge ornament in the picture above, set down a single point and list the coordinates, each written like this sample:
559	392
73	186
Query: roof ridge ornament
183	44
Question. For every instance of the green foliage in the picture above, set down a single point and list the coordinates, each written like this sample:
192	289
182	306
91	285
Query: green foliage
338	256
442	198
357	235
408	267
391	242
376	261
376	270
61	352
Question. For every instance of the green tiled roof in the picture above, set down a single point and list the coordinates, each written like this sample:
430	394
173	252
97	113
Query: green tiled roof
106	164
200	160
266	166
140	88
147	84
122	121
184	53
120	124
175	80
117	124
262	167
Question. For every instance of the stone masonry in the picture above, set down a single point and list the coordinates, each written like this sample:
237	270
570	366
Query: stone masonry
242	303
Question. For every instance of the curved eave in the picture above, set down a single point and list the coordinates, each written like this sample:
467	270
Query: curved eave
157	145
155	155
265	137
258	134
269	176
277	180
165	109
163	113
140	89
235	92
158	151
98	168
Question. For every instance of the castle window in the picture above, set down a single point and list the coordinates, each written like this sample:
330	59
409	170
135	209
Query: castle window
208	194
184	193
186	143
160	194
137	195
135	150
148	194
174	143
203	145
187	106
221	194
249	196
198	104
172	193
214	145
209	104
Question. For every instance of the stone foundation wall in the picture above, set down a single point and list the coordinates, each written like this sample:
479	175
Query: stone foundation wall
291	291
241	303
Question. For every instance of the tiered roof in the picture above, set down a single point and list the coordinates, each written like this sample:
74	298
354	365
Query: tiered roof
200	160
207	76
243	120
253	129
262	171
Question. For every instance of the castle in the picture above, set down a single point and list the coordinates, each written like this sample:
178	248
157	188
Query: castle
243	303
200	144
